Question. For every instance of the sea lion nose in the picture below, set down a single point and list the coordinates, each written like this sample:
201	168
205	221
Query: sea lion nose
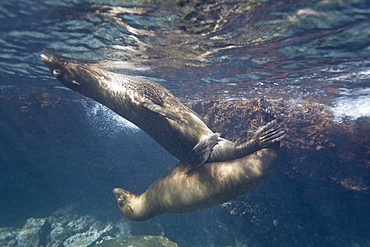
48	58
117	192
45	58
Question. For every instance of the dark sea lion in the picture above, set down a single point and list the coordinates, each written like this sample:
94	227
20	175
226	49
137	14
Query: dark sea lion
149	106
186	188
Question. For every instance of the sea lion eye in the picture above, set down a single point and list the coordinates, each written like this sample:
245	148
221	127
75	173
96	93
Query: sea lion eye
57	72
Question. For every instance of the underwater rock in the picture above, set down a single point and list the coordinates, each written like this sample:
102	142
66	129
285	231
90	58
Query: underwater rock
65	228
57	235
31	233
81	224
95	232
55	243
8	235
65	223
63	216
58	232
139	241
310	127
124	227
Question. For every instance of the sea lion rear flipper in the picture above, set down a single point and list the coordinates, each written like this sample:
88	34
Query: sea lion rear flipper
161	111
201	152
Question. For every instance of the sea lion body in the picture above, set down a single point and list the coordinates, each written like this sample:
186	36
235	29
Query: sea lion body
188	187
211	171
149	106
182	190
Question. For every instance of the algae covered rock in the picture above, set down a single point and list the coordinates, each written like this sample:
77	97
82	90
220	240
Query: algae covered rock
31	232
93	234
139	241
65	228
57	232
8	235
124	227
63	216
81	224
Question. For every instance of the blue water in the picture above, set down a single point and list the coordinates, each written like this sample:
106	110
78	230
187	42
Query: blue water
58	147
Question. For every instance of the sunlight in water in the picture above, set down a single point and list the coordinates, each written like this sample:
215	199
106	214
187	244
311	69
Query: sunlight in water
352	105
106	120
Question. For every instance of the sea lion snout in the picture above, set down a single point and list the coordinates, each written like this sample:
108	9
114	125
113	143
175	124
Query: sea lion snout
119	193
122	196
125	200
47	58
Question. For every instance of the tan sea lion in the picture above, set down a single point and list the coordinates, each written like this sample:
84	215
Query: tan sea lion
149	106
186	188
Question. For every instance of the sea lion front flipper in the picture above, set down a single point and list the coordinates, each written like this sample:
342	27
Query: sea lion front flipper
161	111
268	134
201	152
271	132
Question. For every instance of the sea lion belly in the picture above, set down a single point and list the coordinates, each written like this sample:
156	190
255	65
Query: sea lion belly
183	191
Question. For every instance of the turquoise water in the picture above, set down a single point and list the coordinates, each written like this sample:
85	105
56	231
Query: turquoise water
57	147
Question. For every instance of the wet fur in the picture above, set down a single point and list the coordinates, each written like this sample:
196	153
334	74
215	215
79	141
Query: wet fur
212	184
148	105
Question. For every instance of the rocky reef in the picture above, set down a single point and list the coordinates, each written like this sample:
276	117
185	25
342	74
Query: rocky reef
311	131
66	228
150	241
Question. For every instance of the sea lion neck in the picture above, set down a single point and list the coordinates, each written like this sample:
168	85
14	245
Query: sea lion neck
143	208
80	77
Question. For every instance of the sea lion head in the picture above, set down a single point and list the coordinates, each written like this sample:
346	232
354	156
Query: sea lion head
79	77
126	200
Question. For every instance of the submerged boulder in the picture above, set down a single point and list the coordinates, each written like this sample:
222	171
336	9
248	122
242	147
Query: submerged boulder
139	241
32	233
123	227
93	234
65	228
63	216
8	235
81	224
